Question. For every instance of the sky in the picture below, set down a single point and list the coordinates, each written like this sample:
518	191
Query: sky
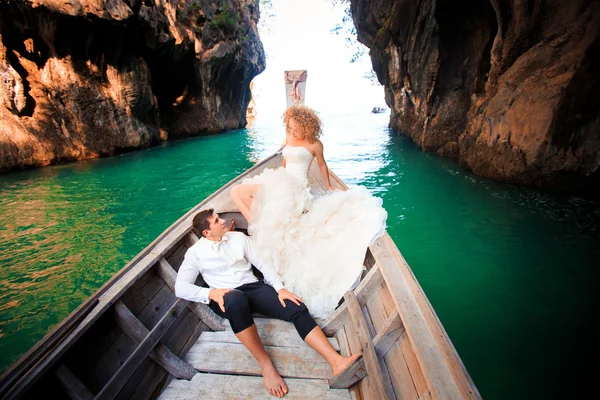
299	37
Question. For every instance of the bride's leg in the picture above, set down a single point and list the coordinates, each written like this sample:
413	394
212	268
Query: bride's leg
236	195
243	195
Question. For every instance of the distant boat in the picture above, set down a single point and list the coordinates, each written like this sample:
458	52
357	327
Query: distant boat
377	110
251	110
295	86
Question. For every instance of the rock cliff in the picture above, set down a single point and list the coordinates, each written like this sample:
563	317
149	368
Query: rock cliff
507	87
88	78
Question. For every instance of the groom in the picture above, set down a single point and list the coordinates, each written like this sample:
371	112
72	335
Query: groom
225	261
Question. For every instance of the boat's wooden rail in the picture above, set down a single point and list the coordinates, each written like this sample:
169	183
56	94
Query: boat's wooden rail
406	352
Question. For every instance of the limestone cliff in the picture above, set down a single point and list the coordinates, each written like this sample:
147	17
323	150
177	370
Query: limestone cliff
508	87
88	78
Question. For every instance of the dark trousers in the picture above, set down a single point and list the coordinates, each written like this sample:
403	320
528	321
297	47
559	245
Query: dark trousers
262	298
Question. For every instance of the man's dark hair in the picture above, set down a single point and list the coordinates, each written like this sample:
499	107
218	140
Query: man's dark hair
201	222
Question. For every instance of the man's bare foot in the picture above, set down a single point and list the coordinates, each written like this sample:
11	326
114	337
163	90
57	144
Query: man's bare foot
343	363
273	381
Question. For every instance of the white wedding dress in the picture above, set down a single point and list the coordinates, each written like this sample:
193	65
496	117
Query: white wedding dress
317	244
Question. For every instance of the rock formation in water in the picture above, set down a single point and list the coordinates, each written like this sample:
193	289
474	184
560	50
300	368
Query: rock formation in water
88	78
510	88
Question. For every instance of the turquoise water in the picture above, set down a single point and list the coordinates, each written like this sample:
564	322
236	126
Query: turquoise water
510	271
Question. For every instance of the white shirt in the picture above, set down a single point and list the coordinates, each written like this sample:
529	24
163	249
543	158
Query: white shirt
223	265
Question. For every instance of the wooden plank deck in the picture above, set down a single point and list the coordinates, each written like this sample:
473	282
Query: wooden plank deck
228	370
219	387
272	332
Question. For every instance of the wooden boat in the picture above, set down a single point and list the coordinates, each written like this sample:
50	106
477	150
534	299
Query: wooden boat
134	339
295	86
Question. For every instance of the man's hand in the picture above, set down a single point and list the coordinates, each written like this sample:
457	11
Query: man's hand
284	294
217	296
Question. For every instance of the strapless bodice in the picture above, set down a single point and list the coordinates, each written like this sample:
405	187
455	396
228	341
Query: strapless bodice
297	161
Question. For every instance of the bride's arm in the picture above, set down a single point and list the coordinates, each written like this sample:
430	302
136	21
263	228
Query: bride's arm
322	164
281	148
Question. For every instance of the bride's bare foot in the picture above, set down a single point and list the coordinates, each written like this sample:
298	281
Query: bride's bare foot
343	363
273	381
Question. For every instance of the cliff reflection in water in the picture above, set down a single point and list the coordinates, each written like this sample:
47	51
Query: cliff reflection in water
57	243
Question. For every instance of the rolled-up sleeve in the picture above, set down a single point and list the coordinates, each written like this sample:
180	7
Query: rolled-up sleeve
271	276
184	285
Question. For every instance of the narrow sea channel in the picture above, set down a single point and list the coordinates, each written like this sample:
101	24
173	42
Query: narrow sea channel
511	272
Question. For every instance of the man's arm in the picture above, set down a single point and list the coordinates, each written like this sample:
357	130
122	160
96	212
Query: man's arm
271	276
186	277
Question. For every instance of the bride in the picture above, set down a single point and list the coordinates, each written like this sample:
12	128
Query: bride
317	243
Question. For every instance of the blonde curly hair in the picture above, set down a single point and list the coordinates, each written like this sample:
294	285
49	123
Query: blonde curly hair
307	119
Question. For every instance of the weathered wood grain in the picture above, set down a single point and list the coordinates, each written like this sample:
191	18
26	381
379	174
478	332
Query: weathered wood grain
71	384
378	385
119	379
272	332
336	321
176	256
219	387
363	386
375	310
377	318
389	334
386	300
342	339
369	285
408	352
232	358
363	291
168	274
369	261
400	376
138	332
182	348
153	307
350	376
